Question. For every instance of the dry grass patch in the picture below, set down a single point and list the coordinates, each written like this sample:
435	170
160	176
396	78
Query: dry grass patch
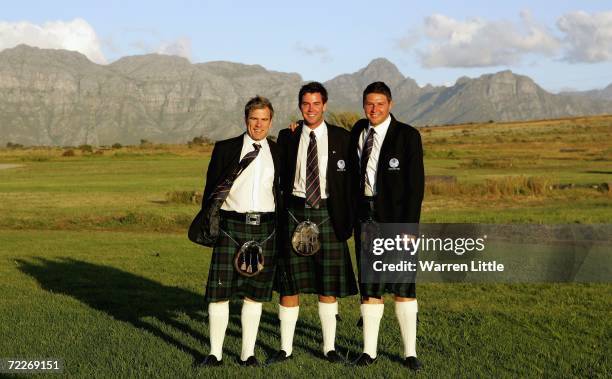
507	186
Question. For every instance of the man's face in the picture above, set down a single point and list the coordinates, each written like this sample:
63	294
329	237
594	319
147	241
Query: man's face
258	123
312	108
376	108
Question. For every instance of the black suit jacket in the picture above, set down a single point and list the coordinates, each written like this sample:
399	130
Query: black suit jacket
225	158
400	176
339	180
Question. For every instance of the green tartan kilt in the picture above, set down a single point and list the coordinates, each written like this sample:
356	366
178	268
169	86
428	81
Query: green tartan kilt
379	289
329	272
224	282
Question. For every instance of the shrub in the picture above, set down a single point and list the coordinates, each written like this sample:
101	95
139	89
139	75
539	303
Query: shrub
184	197
201	140
68	153
343	119
86	148
145	143
10	145
117	145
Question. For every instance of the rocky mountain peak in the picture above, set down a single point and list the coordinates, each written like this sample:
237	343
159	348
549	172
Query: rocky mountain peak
380	69
59	97
32	54
462	80
151	64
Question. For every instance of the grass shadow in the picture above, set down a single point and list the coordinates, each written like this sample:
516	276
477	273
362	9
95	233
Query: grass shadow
134	299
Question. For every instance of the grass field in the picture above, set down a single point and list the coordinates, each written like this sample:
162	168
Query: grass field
95	267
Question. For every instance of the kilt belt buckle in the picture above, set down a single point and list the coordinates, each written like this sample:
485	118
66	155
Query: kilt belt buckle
253	219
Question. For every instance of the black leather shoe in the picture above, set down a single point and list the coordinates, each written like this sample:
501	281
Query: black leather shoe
412	363
333	357
210	361
279	357
250	362
363	360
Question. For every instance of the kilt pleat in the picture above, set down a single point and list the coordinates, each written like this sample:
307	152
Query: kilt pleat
329	272
224	282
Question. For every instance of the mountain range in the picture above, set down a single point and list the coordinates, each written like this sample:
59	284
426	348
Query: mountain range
59	97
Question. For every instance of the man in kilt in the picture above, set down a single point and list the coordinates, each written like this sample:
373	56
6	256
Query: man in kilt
389	173
244	171
316	184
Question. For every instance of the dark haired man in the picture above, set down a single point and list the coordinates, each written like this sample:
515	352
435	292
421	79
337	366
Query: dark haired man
388	157
243	174
317	189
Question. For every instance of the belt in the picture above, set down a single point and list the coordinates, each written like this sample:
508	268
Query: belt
300	202
248	218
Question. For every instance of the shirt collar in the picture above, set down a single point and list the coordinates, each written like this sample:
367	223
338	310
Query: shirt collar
247	140
319	130
381	129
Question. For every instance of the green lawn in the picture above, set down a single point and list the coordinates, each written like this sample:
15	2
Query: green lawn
116	304
96	269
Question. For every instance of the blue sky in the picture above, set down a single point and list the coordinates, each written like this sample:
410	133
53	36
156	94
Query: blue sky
560	44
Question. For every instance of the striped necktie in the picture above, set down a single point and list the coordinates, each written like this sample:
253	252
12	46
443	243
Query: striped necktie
223	189
313	188
365	156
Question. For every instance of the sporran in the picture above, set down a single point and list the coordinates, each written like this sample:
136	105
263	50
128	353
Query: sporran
305	239
249	259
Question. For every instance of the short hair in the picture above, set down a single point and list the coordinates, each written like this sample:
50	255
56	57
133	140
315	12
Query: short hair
258	102
377	87
313	87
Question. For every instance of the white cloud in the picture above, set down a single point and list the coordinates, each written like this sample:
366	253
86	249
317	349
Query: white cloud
76	35
479	43
316	51
588	37
180	47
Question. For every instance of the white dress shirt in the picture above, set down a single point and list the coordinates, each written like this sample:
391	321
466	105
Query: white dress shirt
379	137
299	183
252	190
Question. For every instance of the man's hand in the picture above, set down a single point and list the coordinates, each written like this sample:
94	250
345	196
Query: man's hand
294	125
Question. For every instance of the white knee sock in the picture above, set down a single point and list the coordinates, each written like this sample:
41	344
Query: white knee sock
288	318
218	317
251	313
406	312
327	314
371	314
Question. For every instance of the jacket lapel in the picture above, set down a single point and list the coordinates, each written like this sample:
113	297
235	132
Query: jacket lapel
274	153
385	148
331	148
235	150
293	153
